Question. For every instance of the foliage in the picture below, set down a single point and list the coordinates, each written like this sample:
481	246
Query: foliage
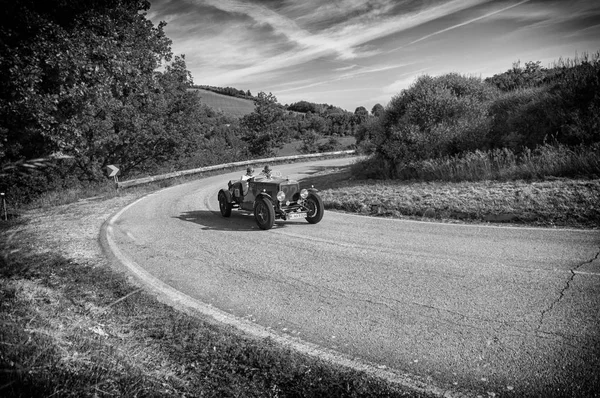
360	115
303	107
230	91
336	121
80	79
518	77
520	110
436	116
504	164
377	110
565	109
265	129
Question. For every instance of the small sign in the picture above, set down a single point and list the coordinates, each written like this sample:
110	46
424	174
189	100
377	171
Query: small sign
112	170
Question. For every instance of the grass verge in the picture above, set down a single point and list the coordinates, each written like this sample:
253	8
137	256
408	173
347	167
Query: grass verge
551	202
72	326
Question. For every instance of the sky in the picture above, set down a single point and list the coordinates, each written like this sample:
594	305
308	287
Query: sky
352	53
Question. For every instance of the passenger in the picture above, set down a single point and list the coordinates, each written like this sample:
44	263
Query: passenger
249	174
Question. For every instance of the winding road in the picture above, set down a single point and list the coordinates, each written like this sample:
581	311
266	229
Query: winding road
469	309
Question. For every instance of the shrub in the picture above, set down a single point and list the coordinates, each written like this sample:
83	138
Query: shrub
436	116
496	164
566	108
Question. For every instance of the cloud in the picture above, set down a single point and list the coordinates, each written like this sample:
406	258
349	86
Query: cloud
467	22
354	73
343	40
341	44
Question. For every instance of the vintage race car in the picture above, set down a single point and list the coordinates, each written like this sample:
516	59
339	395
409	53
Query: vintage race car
271	197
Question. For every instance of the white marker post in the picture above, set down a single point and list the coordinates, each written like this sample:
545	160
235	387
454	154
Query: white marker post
4	212
113	171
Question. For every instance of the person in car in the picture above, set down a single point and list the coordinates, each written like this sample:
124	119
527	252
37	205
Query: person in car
249	174
267	171
244	180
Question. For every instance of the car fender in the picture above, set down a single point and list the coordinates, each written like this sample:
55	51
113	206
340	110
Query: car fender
227	194
264	195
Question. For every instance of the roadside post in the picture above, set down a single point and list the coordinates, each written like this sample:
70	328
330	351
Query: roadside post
113	171
4	212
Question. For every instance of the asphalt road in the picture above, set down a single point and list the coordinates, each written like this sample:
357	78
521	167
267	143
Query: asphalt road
509	311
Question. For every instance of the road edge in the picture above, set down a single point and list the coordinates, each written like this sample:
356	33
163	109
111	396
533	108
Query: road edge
191	306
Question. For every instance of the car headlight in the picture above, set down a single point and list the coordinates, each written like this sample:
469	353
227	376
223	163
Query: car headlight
304	194
281	196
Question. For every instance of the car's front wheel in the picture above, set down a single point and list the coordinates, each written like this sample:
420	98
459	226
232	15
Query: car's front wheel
315	206
224	204
264	214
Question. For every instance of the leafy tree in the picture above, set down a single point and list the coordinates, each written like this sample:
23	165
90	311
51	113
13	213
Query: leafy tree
519	77
265	128
377	110
366	132
315	123
360	115
79	79
80	85
303	107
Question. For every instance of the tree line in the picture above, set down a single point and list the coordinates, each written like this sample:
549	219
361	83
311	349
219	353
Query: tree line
518	110
229	91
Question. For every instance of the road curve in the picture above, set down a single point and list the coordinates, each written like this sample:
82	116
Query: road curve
511	311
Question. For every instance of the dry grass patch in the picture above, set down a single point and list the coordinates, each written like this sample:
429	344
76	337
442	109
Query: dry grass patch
551	202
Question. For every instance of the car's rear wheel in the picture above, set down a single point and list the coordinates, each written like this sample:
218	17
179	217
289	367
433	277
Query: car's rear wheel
314	203
264	214
224	204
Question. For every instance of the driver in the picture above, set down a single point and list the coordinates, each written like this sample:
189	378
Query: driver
267	171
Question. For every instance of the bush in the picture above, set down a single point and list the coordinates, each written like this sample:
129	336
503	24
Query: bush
496	164
436	116
566	108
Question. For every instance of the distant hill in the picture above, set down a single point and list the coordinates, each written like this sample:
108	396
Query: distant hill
237	107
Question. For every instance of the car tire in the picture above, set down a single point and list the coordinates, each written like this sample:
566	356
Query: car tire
314	203
224	203
264	214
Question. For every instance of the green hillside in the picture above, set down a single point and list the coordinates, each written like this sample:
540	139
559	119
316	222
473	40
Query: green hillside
233	106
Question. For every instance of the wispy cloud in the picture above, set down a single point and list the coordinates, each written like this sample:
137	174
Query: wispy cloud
344	76
340	45
470	21
341	41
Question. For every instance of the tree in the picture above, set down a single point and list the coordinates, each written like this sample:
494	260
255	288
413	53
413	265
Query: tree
79	79
360	115
377	110
518	77
265	128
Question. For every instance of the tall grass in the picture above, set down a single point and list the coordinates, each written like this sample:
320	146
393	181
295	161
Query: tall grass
498	164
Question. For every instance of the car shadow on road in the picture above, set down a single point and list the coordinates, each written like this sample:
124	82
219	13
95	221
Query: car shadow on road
213	221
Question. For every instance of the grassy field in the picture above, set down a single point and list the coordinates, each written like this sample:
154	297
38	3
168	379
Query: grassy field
233	106
293	148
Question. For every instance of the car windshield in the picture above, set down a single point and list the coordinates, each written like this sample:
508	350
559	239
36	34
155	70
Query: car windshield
263	175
